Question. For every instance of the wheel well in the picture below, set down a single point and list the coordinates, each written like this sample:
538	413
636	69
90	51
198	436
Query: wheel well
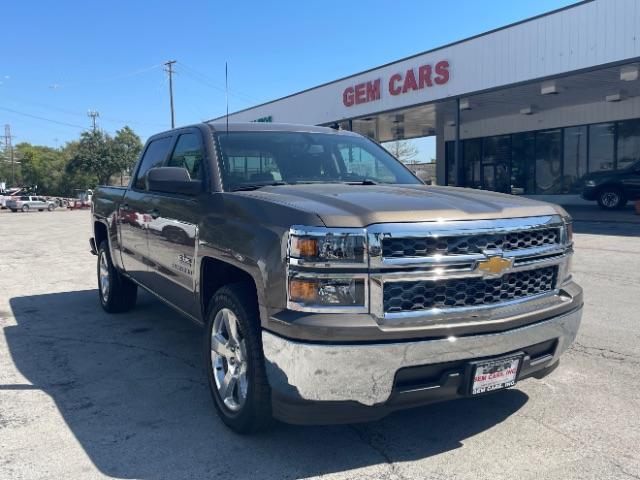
215	274
611	186
100	232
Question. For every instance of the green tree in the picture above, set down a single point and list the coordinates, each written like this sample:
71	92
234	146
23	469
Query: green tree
99	154
42	167
126	149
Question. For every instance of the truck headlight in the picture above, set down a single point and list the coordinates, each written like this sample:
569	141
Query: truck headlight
307	292
327	246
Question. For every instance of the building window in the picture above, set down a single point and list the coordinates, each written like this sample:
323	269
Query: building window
523	163
601	141
496	158
544	161
628	143
575	158
472	157
549	162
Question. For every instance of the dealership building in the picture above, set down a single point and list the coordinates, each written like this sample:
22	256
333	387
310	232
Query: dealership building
525	109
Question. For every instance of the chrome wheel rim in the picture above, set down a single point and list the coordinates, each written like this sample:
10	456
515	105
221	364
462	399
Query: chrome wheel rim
103	275
610	199
229	360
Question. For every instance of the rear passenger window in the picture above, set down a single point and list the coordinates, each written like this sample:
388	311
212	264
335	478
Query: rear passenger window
154	156
188	154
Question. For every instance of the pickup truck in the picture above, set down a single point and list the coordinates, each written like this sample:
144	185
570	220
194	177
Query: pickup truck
332	284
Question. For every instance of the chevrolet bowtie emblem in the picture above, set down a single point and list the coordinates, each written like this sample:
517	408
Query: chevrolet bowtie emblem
495	265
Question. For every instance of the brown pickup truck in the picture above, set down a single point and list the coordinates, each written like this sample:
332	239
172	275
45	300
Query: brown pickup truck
332	284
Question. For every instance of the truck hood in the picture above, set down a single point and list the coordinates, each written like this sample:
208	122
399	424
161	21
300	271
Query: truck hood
340	205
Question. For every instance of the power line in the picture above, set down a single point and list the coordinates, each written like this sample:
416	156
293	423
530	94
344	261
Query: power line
208	81
37	117
57	86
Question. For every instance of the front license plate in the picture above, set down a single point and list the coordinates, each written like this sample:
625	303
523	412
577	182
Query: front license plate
495	375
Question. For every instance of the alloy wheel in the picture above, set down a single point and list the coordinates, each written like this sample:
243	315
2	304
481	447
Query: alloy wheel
610	199
229	360
104	276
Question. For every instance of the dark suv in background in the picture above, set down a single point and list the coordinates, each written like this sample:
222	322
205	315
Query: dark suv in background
613	189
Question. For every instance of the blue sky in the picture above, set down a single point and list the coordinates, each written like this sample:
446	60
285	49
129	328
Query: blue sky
66	57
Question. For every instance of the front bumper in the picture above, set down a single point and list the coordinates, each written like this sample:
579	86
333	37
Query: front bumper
590	193
322	383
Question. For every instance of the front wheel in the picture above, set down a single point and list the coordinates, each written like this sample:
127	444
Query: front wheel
50	207
611	198
235	361
25	208
117	293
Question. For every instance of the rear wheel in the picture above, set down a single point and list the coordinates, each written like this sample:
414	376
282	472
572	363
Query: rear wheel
235	360
117	293
611	198
25	208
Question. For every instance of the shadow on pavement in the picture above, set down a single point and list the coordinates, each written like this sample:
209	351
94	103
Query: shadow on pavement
132	390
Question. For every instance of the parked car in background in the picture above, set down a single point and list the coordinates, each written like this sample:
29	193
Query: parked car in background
26	203
83	200
612	189
8	195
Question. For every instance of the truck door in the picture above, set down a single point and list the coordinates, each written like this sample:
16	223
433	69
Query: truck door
173	229
134	215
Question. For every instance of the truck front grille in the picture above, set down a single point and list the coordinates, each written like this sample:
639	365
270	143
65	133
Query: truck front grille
465	292
468	244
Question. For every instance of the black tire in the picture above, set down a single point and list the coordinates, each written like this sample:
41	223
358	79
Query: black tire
611	198
51	207
14	210
121	293
25	208
255	413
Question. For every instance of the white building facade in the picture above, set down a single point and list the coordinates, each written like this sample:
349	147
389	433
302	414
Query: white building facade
524	109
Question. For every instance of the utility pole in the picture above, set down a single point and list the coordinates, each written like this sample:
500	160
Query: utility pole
9	148
170	71
93	114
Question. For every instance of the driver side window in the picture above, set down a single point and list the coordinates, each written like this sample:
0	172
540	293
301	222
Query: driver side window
188	154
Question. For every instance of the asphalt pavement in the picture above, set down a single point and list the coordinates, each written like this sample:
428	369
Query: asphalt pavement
84	394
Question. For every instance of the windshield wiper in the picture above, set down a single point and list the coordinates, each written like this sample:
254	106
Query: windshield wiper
365	181
255	186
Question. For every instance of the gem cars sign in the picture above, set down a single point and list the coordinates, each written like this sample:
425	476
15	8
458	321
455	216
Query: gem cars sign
425	76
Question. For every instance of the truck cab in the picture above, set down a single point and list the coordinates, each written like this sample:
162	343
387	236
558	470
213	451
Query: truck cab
332	284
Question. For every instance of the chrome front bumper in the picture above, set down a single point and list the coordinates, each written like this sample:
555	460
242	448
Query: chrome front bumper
365	373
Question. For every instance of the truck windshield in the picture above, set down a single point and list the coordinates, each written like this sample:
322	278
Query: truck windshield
255	159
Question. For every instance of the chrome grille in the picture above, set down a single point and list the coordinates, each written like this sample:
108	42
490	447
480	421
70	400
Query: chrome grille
468	244
464	292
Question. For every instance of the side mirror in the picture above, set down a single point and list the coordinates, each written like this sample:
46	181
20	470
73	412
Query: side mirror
172	180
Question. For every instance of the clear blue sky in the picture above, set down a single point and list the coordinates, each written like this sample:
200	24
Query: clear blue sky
62	58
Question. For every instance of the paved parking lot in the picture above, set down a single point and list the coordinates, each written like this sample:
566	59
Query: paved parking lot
88	395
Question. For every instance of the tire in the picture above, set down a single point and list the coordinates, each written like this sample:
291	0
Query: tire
50	208
119	293
25	208
611	198
14	210
253	412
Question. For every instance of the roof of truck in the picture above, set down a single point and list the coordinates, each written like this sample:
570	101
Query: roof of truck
273	127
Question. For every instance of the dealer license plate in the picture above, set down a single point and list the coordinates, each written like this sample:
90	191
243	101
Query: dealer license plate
495	375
